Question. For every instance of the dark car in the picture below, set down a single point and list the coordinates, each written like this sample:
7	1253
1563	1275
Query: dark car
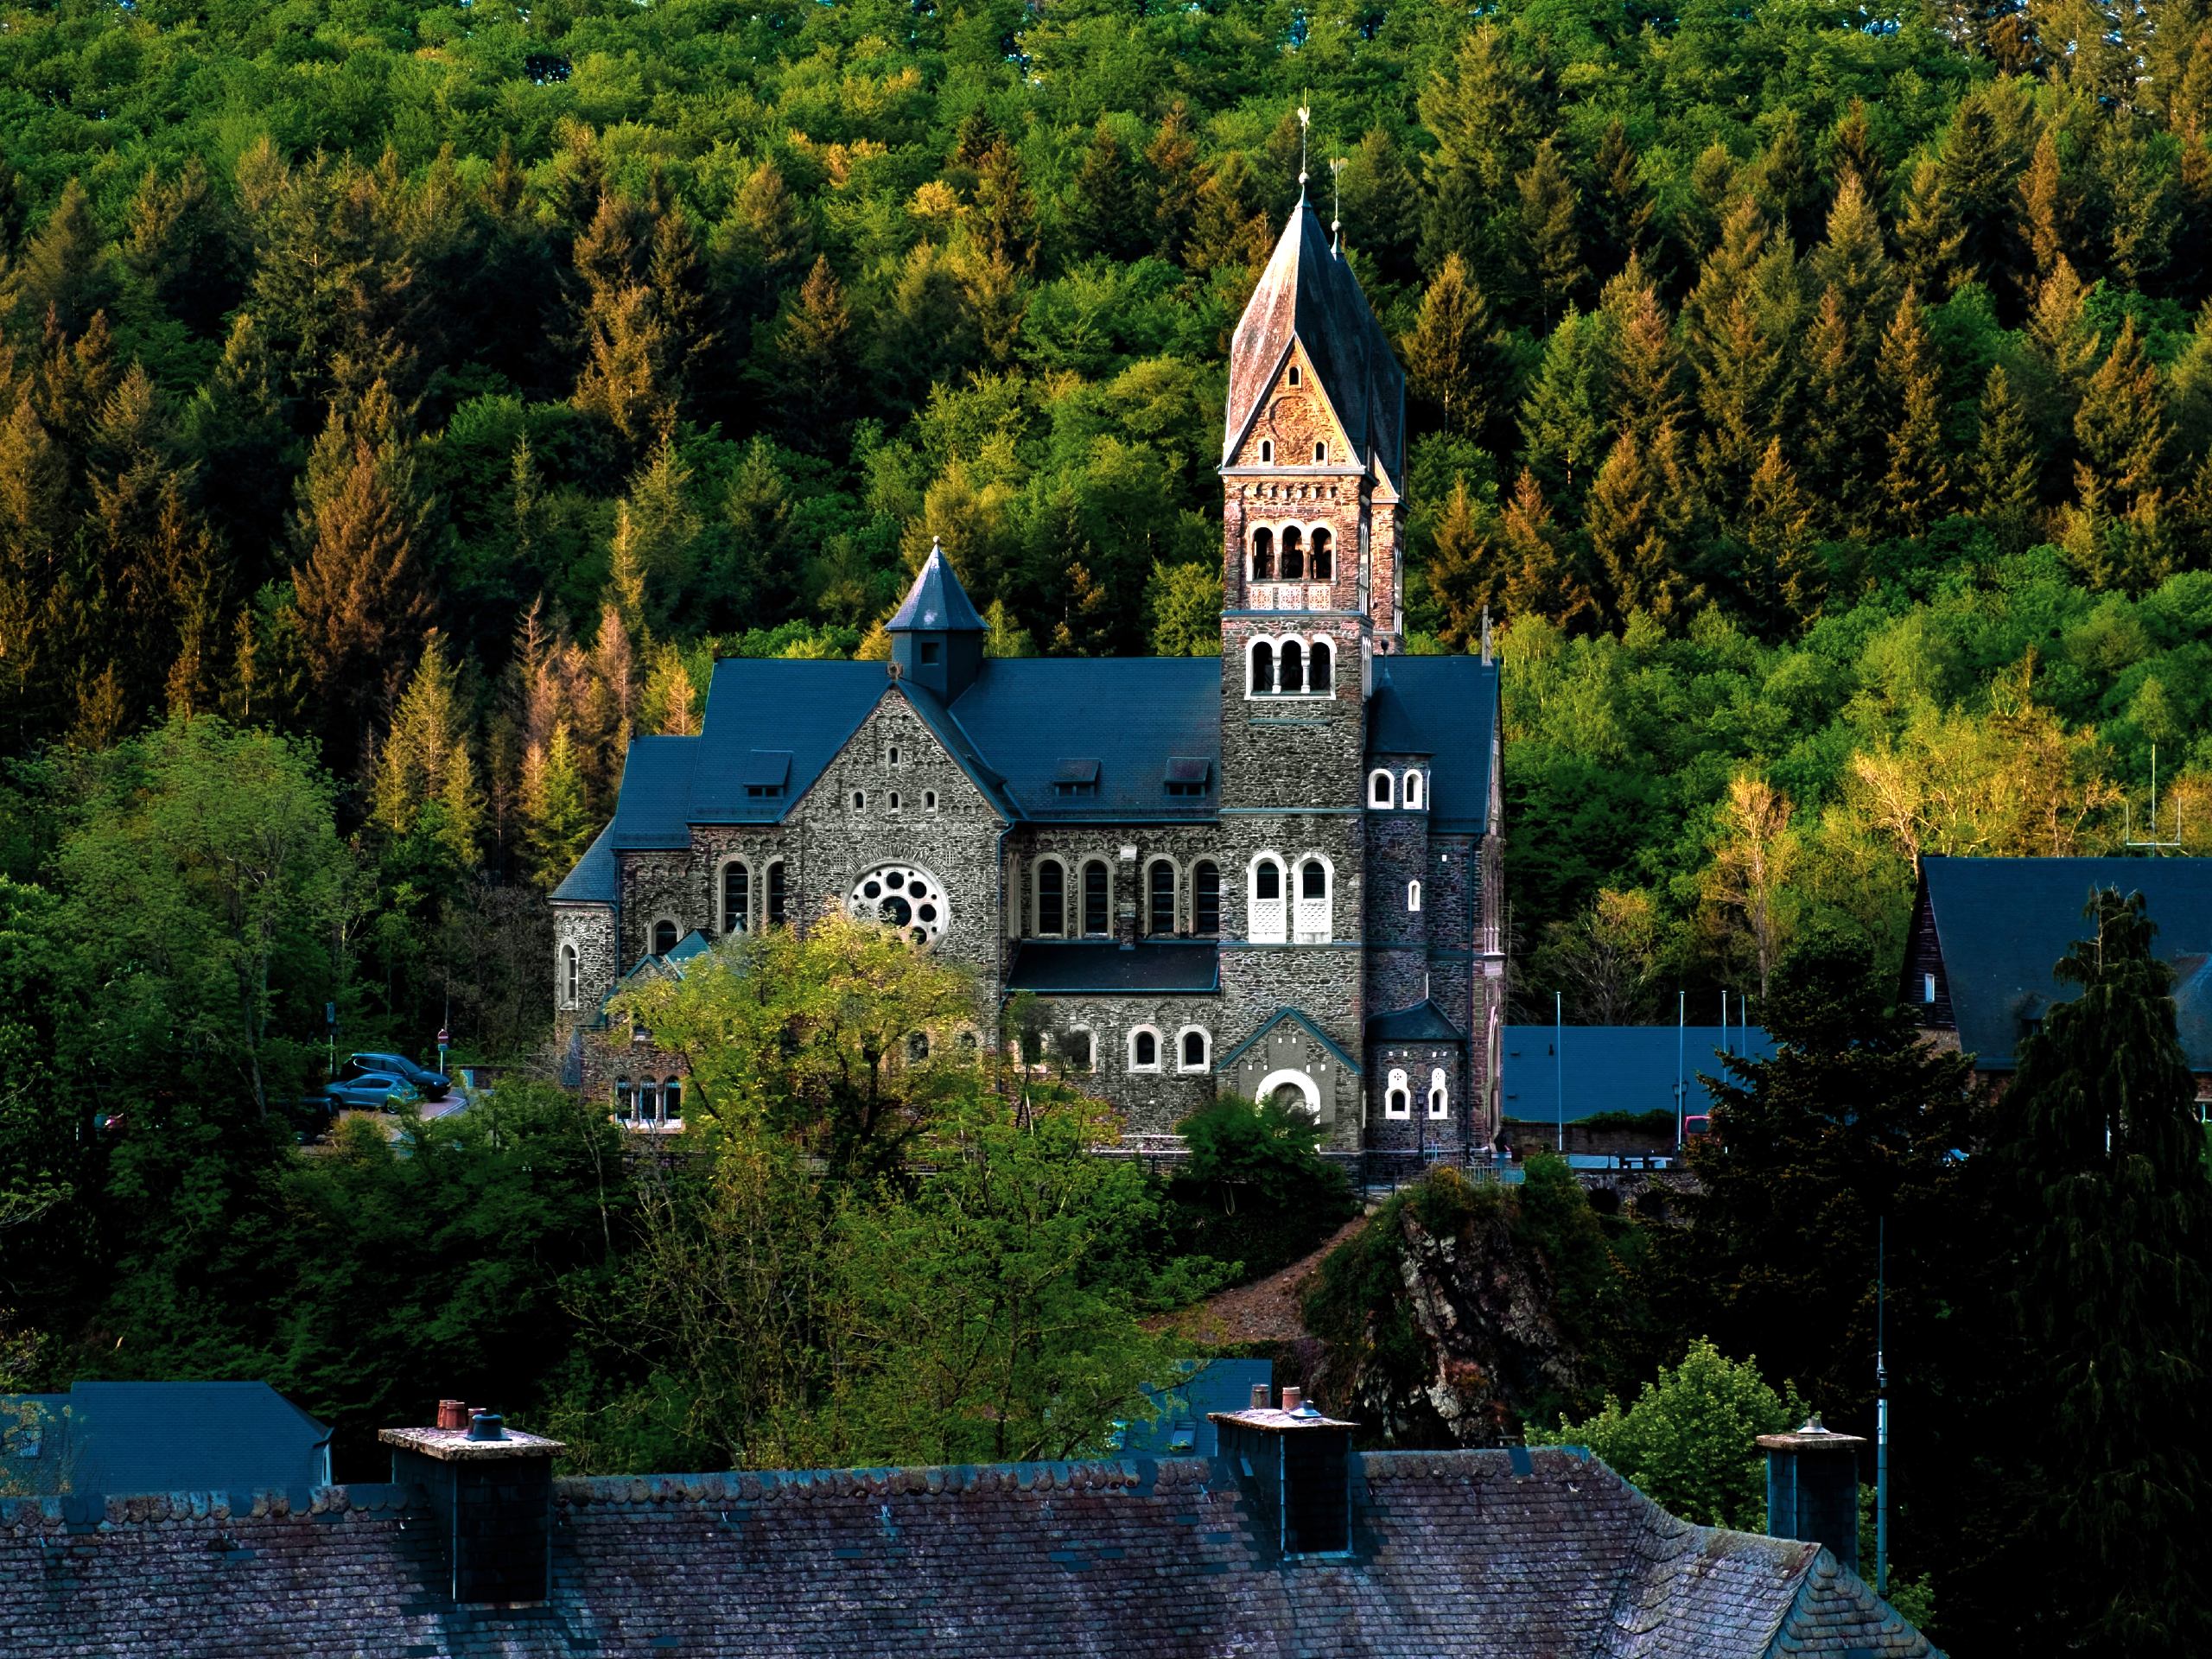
359	1089
433	1084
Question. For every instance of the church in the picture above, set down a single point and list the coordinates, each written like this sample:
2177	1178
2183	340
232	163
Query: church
1275	872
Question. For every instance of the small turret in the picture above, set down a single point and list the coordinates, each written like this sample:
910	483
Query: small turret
937	637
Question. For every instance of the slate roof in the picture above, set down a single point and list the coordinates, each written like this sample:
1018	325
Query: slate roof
1103	968
1444	708
146	1437
1455	1554
936	602
2002	923
1182	1426
1424	1023
595	878
1616	1068
1308	292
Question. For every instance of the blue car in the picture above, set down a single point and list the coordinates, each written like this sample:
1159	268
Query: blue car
434	1085
359	1090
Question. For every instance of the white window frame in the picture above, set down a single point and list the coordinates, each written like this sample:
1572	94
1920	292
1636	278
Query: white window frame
1412	897
676	1084
652	934
1252	648
1090	1068
1928	990
1266	921
1205	1050
1416	792
1036	899
1129	1050
1439	1094
1313	920
1386	779
572	974
1397	1095
722	900
1322	639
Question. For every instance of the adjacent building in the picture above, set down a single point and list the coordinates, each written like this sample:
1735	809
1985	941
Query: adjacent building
1274	872
159	1437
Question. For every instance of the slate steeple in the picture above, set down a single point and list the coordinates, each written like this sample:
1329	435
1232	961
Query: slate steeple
937	637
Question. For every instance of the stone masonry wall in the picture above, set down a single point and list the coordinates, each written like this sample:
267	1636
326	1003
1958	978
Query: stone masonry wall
589	929
1150	1102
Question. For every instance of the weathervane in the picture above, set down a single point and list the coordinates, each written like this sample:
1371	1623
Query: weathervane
1305	121
1335	204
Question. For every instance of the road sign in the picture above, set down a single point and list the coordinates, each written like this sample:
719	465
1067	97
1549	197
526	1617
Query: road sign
443	1038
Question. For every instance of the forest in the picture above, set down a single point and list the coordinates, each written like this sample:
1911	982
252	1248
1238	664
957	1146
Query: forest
402	406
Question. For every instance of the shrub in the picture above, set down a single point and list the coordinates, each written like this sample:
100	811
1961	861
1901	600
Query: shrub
1255	1189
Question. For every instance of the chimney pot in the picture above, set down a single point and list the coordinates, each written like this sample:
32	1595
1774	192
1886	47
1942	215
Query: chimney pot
1259	1396
1293	1398
487	1426
453	1413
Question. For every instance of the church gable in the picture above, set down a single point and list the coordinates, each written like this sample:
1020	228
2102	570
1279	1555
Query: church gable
894	765
1295	424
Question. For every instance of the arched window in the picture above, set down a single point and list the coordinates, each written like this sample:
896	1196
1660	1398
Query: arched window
1082	1052
624	1103
664	936
1413	895
1052	898
1193	1045
1320	458
859	800
1414	791
648	1102
894	754
1263	669
1263	555
1439	1095
929	800
1097	917
1144	1049
1269	920
1159	914
1294	554
1312	925
737	898
1324	555
1205	898
894	800
1379	789
1266	451
1293	668
778	896
1293	374
918	1047
671	1099
1319	667
1397	1100
571	976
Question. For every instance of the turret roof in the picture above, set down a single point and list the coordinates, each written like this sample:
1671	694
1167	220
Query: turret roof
937	601
1308	293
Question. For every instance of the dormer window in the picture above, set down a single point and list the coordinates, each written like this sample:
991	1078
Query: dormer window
1189	777
767	772
1076	778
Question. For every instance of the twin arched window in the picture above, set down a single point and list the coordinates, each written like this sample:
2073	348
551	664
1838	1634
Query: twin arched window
1268	916
1292	907
1383	789
746	904
1293	668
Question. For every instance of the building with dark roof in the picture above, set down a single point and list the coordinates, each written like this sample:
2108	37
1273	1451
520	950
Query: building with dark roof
1274	871
1287	1543
1988	932
1568	1073
150	1437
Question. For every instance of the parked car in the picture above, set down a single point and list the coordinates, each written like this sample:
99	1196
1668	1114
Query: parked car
1697	1123
433	1084
369	1091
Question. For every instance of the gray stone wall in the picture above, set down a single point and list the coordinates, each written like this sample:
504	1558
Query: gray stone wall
1150	1101
589	931
1464	1121
1286	1046
1074	845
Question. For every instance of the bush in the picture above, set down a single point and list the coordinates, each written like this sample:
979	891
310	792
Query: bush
1255	1189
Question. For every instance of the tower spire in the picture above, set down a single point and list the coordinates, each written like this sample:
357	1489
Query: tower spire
1335	204
1305	121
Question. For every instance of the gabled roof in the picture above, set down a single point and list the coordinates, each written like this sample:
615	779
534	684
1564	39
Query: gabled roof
1128	713
805	708
1102	966
1536	1553
1303	1023
119	1439
1181	1425
1307	293
594	878
937	602
2002	923
1445	708
1615	1068
1424	1023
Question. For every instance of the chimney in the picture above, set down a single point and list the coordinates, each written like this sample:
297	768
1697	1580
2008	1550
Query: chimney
1812	1489
1298	1463
491	1489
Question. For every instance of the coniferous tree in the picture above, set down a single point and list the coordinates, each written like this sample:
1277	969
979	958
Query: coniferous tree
1622	210
60	279
2104	1164
2007	472
1552	257
1230	228
1105	210
1647	364
1172	159
1854	153
2121	438
812	360
2045	209
1634	529
1543	575
1465	576
1565	420
556	822
1485	111
1452	356
765	242
1783	575
1916	488
1006	218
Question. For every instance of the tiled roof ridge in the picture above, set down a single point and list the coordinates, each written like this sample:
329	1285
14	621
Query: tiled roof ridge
22	1515
1142	1475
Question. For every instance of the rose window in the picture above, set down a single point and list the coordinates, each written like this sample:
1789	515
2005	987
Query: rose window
900	896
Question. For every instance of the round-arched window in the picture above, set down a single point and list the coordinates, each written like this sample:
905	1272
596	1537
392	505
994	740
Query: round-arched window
1323	560
900	895
1144	1049
1294	554
1413	789
1263	555
1319	669
664	936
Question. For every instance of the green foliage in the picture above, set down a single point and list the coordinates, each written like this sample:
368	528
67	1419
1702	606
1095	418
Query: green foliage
1689	1439
1254	1189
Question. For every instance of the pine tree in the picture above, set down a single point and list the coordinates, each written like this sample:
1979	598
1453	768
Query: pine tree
1452	355
2121	438
1621	207
1838	431
1552	257
1465	576
2007	472
2105	1168
237	430
60	280
1485	110
1916	489
1542	576
669	706
1782	574
1932	236
1782	180
1004	221
1105	212
809	367
765	242
1854	263
1565	421
1647	364
1229	229
1172	159
1853	153
556	823
2045	209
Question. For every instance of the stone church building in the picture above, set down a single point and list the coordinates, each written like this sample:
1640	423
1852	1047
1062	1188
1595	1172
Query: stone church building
1275	872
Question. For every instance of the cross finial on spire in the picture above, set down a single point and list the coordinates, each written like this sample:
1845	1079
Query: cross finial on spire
1305	121
1336	164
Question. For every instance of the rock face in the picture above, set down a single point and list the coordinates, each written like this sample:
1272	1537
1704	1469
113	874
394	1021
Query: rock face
1470	1343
